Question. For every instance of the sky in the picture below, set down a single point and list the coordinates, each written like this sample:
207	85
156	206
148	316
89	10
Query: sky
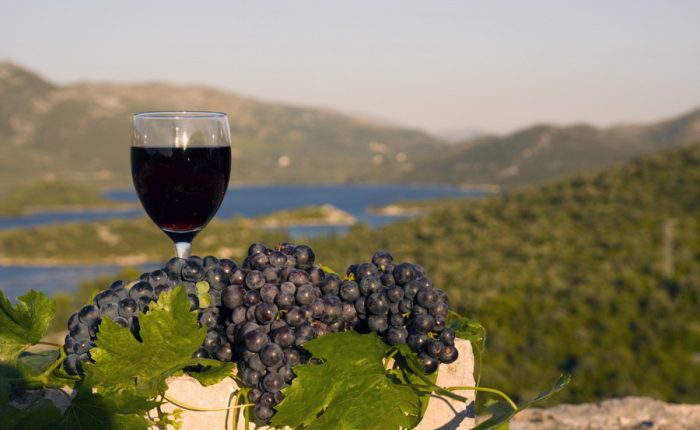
489	66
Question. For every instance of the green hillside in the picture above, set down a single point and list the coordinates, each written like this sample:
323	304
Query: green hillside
568	277
82	132
538	154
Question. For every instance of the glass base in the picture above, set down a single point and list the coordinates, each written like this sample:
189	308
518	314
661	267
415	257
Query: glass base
183	249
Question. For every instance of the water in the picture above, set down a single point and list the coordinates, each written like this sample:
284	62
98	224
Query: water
249	201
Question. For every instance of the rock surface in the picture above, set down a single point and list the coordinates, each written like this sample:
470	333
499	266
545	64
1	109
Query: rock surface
628	413
443	414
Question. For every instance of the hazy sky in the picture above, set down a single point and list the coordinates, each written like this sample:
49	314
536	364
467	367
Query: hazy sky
488	65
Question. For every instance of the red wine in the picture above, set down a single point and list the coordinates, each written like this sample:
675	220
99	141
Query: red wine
181	189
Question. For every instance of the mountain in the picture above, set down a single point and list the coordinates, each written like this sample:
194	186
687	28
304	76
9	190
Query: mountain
544	152
82	132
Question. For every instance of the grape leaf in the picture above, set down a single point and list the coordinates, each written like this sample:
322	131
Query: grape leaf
170	334
41	414
502	413
25	324
34	364
216	372
90	410
350	389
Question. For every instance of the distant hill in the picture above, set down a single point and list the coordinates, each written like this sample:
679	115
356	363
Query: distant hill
82	132
544	152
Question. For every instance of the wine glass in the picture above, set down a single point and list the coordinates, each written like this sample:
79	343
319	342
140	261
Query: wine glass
180	164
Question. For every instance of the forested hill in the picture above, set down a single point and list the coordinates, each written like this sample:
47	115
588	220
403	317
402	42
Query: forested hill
569	277
539	153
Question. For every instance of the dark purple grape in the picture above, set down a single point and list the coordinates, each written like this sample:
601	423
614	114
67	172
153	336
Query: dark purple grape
396	335
254	280
255	363
209	318
427	297
331	284
288	287
273	382
291	357
257	248
361	305
305	294
210	261
418	310
439	324
283	336
364	270
110	310
304	256
434	348
382	258
377	303
370	285
422	323
286	373
317	275
449	354
82	345
268	292
277	259
448	336
441	309
388	280
192	271
88	314
405	306
395	294
254	394
271	275
157	277
216	278
174	268
72	365
259	261
250	377
238	315
228	266
194	301
411	289
348	312
404	273
200	353
417	341
267	399
298	277
105	297
285	248
237	277
255	340
232	296
396	320
262	412
265	312
251	297
377	323
349	291
141	289
271	354
212	341
294	317
284	300
430	364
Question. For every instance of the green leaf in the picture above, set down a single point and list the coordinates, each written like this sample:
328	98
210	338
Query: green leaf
33	364
42	414
350	381
170	334
203	293
215	372
472	331
90	410
502	413
327	269
25	324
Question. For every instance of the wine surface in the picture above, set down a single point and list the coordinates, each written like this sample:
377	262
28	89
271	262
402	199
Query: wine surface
181	188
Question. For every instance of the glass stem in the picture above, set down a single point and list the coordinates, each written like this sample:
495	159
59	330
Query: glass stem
183	249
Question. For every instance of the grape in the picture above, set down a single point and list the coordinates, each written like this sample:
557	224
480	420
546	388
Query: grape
257	248
382	258
449	354
388	280
439	324
423	323
88	314
377	323
292	357
212	341
427	297
268	292
298	277
305	294
263	412
377	304
396	335
271	275
434	348
237	277
141	289
209	318
417	341
430	364
285	247
447	336
232	296
265	312
294	317
288	287
395	294
259	261
365	270
396	320
105	297
200	353
267	399
82	345
251	297
273	382
304	256
283	336
331	284
210	261
411	289
228	266
122	321
284	300
255	340
370	285
216	278
271	354
277	259
286	373
361	305
194	301
174	268
254	394
404	273
110	310
192	270
72	365
254	279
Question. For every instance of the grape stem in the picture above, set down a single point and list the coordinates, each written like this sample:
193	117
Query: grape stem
500	393
198	409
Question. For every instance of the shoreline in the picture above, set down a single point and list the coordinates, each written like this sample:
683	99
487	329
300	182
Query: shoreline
124	261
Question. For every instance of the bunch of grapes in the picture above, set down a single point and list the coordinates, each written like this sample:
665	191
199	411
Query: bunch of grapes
122	302
400	303
260	315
